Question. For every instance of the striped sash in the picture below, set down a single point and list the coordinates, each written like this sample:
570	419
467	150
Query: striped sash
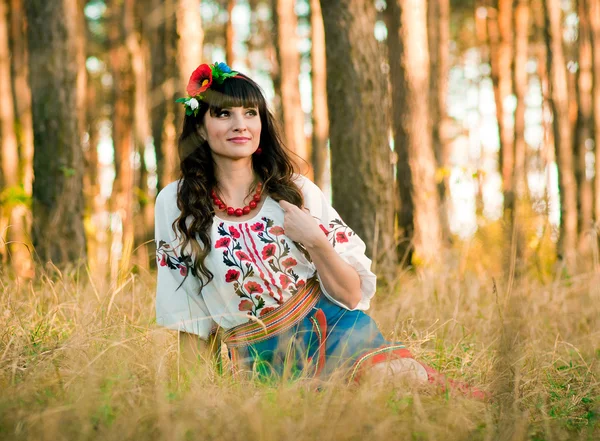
276	321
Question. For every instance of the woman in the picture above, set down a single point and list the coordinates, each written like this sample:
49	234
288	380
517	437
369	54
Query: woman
249	247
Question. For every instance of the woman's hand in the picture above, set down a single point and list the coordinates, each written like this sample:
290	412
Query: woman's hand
300	226
338	277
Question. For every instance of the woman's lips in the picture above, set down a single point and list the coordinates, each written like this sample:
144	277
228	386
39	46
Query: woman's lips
239	140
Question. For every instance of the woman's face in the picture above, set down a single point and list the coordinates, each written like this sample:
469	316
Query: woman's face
232	132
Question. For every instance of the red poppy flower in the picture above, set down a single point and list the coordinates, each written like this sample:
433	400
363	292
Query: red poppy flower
341	237
284	281
223	242
265	310
200	80
241	255
277	231
232	275
253	287
289	262
268	251
163	260
183	270
245	305
324	229
235	233
300	284
257	227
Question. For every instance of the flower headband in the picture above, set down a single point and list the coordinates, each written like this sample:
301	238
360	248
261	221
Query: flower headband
200	80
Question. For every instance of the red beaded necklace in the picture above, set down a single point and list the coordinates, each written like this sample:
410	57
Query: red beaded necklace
238	211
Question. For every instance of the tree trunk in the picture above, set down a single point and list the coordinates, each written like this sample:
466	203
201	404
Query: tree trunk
22	92
559	102
75	9
8	140
157	99
175	84
167	84
144	222
91	184
58	232
190	40
120	29
12	210
286	23
438	26
229	33
320	115
138	48
419	216
361	170
501	43
516	194
594	8
583	132
520	81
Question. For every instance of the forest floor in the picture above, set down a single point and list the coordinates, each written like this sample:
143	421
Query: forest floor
80	359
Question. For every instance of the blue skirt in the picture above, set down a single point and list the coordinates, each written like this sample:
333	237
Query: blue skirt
308	336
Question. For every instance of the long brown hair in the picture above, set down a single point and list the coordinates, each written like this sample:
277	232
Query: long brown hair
273	166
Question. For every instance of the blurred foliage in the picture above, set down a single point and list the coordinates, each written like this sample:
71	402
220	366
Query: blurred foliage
14	195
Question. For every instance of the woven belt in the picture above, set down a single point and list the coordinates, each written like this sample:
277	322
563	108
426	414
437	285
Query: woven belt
277	321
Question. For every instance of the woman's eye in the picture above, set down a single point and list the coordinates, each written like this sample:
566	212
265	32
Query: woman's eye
252	112
223	113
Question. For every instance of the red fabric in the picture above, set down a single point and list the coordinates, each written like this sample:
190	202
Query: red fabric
321	322
434	377
381	358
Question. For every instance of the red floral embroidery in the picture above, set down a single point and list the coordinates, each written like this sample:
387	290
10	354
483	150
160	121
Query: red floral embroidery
267	309
232	275
277	230
341	237
223	242
245	305
241	255
234	233
253	287
167	257
324	229
284	281
339	232
277	257
268	251
289	262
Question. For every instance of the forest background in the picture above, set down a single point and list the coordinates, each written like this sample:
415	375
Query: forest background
456	137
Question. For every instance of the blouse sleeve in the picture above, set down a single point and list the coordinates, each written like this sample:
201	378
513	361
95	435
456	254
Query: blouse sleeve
348	244
179	304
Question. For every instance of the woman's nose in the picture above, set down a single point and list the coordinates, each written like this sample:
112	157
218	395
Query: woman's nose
239	123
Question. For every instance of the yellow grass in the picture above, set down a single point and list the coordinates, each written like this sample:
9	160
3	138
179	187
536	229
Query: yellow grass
79	360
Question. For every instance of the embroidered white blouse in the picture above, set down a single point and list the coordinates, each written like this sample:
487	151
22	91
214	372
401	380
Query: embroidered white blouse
256	267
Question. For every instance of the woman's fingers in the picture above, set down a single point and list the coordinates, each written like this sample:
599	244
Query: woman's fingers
285	205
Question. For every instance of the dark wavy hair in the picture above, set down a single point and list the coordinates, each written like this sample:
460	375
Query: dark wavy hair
274	167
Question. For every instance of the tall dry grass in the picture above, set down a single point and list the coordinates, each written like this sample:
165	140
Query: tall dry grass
81	359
